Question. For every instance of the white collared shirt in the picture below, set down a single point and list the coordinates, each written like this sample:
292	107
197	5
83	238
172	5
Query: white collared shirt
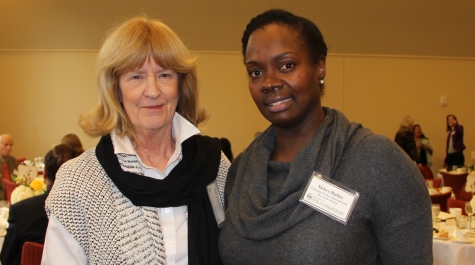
172	220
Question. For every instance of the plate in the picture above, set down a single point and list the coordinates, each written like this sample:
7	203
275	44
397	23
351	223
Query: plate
442	238
445	216
471	241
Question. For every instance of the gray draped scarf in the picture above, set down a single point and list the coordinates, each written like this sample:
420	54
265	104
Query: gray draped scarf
248	207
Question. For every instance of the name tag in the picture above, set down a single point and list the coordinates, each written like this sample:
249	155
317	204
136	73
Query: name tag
330	198
215	199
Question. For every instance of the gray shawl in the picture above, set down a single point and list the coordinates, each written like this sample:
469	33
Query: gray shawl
248	209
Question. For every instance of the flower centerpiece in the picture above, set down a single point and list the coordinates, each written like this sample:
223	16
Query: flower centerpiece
29	183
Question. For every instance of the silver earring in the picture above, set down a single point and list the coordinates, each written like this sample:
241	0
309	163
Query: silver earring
322	82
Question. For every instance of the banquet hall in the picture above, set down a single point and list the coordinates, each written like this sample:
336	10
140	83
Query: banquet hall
386	61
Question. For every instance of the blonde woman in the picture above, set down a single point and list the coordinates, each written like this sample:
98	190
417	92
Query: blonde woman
140	197
405	137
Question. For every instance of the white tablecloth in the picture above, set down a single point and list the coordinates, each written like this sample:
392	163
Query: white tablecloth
450	252
453	253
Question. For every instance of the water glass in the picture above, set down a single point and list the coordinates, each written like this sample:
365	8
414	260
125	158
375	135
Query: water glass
435	212
469	211
461	221
39	162
430	184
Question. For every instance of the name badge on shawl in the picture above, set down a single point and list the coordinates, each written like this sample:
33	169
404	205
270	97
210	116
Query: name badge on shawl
329	197
215	199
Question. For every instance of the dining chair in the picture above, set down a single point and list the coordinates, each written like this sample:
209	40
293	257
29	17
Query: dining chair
464	195
9	187
454	203
426	172
456	181
441	199
437	182
31	253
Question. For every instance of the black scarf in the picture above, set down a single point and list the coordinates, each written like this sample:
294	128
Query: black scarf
185	185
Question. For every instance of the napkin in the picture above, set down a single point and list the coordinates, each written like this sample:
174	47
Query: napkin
444	216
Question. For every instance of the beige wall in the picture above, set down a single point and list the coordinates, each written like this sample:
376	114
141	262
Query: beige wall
43	93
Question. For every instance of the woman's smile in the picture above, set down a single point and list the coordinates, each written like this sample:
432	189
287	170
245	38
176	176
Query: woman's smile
280	105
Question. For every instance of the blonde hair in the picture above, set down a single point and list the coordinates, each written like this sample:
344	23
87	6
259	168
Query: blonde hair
126	48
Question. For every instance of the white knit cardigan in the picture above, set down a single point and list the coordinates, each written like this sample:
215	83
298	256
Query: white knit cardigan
108	227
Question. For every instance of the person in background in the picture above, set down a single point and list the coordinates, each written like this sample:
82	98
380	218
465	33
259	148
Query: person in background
8	162
141	196
73	140
454	146
405	137
285	59
27	218
423	147
226	148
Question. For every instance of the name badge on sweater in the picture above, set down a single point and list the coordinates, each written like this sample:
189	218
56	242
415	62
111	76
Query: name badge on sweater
216	203
330	197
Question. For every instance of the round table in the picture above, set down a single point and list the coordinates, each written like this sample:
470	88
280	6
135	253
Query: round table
450	252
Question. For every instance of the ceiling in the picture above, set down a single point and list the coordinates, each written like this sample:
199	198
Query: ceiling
441	28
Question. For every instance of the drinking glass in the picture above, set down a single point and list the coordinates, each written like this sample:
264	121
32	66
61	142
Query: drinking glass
461	221
39	162
469	211
435	212
430	184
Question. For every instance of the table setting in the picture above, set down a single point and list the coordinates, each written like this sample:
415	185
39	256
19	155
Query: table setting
454	235
439	195
438	191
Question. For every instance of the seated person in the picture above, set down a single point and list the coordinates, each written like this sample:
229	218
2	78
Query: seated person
74	142
7	162
27	219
